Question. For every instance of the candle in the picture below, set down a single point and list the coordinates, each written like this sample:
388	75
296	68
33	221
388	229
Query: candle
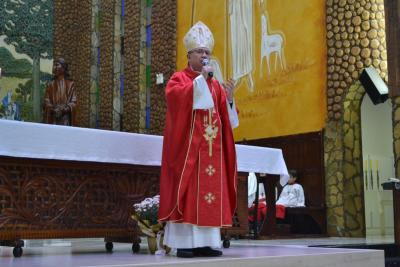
370	164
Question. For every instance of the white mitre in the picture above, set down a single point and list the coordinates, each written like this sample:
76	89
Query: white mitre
199	36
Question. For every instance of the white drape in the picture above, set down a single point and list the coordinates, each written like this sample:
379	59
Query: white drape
241	27
44	141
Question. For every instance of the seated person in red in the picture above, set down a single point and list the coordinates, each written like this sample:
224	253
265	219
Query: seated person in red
262	205
292	195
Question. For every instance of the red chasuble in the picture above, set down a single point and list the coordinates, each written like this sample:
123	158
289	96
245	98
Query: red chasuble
198	172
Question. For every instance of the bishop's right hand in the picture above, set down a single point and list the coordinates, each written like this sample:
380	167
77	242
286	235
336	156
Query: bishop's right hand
206	70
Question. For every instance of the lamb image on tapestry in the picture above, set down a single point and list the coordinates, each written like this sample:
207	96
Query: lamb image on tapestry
272	44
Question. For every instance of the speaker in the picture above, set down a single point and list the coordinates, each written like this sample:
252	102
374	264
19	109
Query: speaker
373	84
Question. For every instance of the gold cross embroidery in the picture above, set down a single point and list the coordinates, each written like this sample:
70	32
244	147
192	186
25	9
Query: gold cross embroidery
209	198
210	170
210	131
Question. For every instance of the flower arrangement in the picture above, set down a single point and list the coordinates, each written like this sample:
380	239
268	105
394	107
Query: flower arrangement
146	214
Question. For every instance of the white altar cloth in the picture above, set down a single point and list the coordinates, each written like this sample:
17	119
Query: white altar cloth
43	141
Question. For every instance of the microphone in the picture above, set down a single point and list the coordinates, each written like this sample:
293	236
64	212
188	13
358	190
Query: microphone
206	62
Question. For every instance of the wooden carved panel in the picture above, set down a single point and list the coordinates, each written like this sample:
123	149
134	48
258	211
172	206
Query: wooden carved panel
44	198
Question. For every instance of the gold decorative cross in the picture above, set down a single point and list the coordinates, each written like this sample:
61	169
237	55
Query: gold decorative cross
210	170
209	198
210	131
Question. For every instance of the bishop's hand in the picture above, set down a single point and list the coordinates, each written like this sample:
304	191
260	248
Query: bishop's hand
206	70
229	87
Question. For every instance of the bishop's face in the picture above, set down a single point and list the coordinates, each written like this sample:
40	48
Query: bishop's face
196	57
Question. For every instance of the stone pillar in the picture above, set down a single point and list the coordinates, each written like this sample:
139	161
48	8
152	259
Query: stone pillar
355	40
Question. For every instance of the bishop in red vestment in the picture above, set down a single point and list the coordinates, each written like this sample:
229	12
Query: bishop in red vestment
198	173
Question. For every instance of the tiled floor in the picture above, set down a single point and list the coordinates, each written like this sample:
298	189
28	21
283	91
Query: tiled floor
320	241
289	252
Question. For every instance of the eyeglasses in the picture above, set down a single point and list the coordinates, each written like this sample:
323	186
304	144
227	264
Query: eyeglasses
201	51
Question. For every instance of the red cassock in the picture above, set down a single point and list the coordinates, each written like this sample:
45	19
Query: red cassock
280	211
198	172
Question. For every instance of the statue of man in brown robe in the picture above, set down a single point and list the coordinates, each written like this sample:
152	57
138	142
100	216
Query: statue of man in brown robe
60	97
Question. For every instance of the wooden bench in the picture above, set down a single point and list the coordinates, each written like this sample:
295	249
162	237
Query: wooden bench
304	153
306	220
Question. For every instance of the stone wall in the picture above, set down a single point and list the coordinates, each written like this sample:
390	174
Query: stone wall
132	52
106	56
396	133
115	77
355	39
344	183
72	41
163	58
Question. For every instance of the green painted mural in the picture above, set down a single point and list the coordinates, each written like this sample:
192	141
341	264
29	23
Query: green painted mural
26	49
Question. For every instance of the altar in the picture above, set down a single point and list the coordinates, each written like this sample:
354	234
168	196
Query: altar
63	182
